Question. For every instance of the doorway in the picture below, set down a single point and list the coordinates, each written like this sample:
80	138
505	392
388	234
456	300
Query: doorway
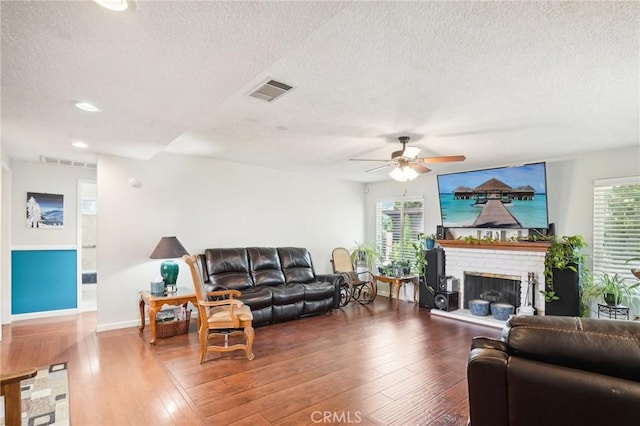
87	231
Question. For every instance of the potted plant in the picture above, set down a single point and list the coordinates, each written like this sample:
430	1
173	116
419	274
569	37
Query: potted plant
420	263
562	264
405	266
430	241
613	289
419	260
364	255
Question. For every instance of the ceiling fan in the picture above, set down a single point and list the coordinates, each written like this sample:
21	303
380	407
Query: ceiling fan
408	164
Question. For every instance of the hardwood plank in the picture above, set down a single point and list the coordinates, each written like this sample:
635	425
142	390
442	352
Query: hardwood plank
373	365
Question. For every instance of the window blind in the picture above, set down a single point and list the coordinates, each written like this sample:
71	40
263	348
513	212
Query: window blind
398	223
616	226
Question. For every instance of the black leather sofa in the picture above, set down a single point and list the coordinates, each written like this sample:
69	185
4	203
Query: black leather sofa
278	284
556	371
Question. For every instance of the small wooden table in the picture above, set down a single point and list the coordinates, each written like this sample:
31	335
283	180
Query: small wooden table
181	297
396	282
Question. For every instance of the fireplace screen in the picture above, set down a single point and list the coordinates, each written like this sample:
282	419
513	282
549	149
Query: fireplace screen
491	287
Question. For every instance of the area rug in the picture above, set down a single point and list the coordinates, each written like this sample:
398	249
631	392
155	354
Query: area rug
45	397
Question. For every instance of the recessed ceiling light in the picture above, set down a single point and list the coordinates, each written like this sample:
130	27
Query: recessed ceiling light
79	144
116	5
86	106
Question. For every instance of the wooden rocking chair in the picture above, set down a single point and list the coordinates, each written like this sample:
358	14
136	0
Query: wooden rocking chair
220	315
359	286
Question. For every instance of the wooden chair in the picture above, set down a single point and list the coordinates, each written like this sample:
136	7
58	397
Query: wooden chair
361	290
10	389
220	315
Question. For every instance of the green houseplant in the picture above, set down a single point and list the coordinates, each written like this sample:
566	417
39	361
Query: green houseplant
613	289
419	260
364	254
562	264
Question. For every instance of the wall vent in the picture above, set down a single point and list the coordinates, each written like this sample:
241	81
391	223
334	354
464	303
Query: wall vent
270	91
65	162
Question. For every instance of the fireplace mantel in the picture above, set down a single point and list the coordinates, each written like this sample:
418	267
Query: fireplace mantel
541	246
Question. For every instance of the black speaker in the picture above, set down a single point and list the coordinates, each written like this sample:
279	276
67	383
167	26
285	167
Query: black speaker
447	301
435	268
440	232
426	297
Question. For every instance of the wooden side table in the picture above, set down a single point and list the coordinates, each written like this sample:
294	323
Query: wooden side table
181	297
396	282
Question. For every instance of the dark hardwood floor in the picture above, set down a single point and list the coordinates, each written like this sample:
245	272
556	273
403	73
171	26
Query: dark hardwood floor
369	365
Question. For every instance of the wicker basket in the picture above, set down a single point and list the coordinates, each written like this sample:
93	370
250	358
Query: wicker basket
173	328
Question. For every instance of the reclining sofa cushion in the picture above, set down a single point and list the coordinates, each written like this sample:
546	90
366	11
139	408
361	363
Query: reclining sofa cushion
296	264
228	268
266	270
614	347
265	266
321	293
260	300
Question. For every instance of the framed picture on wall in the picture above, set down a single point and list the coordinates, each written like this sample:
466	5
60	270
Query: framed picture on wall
45	210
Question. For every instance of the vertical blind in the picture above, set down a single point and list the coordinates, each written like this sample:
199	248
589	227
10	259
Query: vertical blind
398	223
616	226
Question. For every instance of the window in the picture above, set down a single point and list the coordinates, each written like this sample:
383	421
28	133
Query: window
616	226
398	223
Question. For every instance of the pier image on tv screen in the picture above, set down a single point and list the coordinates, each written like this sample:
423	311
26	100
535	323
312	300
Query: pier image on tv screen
504	197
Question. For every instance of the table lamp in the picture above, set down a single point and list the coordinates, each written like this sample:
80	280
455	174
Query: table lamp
168	248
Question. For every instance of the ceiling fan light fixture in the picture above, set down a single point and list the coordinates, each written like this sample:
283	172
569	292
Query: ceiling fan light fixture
411	152
115	5
86	106
403	174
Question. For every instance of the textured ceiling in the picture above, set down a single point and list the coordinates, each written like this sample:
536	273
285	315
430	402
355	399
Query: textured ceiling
499	82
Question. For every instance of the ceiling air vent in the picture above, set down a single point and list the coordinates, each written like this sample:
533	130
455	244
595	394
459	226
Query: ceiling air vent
64	162
270	91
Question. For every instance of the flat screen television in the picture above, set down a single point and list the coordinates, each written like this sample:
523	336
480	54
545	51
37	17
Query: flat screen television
503	197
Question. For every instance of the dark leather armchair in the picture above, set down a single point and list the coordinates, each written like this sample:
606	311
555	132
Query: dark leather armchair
551	370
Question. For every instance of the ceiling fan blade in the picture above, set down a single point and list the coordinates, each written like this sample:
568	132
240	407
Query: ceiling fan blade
419	168
366	159
378	168
447	159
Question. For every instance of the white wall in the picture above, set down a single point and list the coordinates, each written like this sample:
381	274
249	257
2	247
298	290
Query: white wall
208	203
47	178
569	185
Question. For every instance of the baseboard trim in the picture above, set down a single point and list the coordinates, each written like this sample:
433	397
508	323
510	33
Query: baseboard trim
44	314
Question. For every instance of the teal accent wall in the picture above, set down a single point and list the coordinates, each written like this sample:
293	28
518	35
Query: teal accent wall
43	280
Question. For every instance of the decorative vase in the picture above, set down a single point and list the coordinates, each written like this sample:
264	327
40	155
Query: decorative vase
430	244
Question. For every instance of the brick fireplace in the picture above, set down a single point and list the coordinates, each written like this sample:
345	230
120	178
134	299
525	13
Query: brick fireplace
501	259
